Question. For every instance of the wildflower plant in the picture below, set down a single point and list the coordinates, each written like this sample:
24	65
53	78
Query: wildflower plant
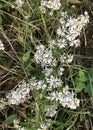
45	63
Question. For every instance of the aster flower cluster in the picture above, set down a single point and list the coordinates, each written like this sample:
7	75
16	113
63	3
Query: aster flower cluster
35	84
44	56
68	36
19	95
66	98
1	45
21	92
51	5
51	82
70	29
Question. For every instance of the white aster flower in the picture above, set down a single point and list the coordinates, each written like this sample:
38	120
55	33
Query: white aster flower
16	123
43	3
54	62
41	48
72	22
43	126
51	13
21	128
64	15
63	59
41	85
19	3
1	45
71	35
66	59
75	43
52	43
81	24
47	58
69	59
66	90
51	112
52	5
55	96
74	32
84	18
42	9
47	71
60	71
38	57
39	53
63	22
53	82
32	83
61	43
61	31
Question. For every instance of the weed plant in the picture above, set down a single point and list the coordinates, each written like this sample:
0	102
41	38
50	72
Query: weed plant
44	85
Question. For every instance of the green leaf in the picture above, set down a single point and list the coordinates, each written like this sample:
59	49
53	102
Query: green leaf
26	56
79	87
1	20
89	86
90	72
10	119
82	76
89	90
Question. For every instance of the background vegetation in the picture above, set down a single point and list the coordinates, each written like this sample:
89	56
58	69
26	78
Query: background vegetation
22	30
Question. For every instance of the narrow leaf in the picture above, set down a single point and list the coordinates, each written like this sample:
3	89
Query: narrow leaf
1	20
90	72
26	56
10	119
